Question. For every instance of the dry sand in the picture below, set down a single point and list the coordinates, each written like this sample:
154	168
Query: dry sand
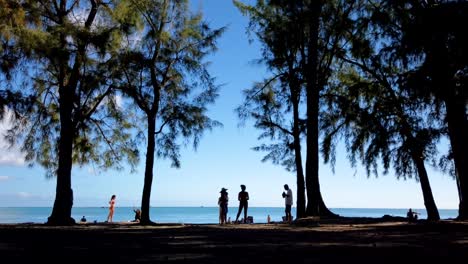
338	241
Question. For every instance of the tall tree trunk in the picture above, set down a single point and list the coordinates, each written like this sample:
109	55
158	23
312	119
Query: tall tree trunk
145	199
429	203
301	204
315	203
458	131
150	148
61	212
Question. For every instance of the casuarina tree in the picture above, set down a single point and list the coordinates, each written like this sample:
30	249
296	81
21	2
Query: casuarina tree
163	70
60	51
275	103
435	42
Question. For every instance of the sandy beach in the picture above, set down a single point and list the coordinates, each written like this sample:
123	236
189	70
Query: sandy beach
337	241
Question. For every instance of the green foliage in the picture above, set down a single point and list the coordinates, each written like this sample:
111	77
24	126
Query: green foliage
19	105
272	103
368	107
283	29
164	72
60	53
269	105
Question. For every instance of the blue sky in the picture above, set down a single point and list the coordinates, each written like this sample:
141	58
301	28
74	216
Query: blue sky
224	157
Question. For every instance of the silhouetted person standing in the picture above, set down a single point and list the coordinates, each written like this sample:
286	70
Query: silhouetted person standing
288	200
243	198
223	205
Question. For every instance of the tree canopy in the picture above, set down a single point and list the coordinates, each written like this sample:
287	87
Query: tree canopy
163	71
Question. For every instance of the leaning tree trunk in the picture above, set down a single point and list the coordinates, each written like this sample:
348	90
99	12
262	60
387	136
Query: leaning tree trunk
429	203
145	199
61	212
417	157
315	203
458	131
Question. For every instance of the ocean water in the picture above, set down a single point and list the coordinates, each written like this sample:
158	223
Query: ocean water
194	215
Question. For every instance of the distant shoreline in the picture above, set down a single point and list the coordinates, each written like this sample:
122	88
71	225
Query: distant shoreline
233	205
195	215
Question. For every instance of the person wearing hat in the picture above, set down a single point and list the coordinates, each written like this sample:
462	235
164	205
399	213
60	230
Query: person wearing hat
243	198
223	205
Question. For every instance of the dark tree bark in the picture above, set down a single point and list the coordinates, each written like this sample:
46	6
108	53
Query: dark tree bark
458	131
429	203
151	114
315	203
301	203
148	181
61	213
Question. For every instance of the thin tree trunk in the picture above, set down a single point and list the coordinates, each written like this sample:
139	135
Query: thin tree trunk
458	131
429	203
150	148
315	203
146	196
301	204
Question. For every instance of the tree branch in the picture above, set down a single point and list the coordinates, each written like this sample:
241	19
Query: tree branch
163	124
273	124
97	103
263	87
108	142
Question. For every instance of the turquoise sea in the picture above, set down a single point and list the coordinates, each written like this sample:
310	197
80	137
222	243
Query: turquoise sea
194	215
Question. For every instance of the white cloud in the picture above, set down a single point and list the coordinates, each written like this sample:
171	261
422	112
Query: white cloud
24	195
91	171
133	40
9	155
4	178
119	101
14	199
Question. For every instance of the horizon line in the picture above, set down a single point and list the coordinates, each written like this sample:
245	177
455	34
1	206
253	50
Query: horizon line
202	206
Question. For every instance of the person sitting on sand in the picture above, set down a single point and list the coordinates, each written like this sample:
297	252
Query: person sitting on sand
137	215
83	219
223	206
411	215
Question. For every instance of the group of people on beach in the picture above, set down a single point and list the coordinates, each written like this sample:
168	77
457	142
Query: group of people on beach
110	216
243	198
223	200
112	207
